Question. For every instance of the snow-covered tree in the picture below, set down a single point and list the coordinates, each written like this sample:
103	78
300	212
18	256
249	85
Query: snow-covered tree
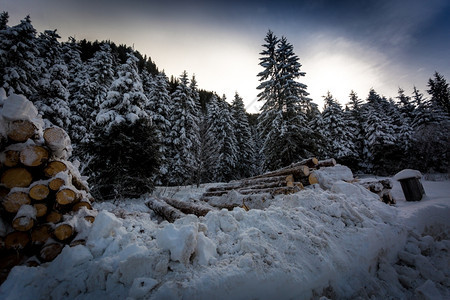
185	135
52	99
126	100
159	107
245	161
439	91
282	124
339	139
19	57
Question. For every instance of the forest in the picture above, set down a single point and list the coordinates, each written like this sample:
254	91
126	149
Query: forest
132	127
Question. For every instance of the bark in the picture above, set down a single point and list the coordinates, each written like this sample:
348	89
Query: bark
16	177
34	156
309	162
39	192
282	180
273	191
164	210
21	130
14	200
53	168
298	172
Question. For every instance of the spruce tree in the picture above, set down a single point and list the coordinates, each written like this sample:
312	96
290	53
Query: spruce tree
439	91
282	124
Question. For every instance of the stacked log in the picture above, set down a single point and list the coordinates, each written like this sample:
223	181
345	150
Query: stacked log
381	187
41	194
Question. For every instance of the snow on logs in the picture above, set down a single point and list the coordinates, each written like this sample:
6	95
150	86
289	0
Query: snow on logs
42	195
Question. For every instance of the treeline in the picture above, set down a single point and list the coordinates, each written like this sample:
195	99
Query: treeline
132	127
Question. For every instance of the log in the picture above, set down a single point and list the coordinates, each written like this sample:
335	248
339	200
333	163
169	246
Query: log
309	162
54	217
21	130
283	180
311	179
66	196
63	232
7	262
381	187
272	191
12	158
39	192
56	139
17	240
81	204
41	209
90	219
56	183
78	242
14	200
16	177
79	184
53	168
164	210
50	251
197	209
24	220
297	172
327	163
40	234
34	156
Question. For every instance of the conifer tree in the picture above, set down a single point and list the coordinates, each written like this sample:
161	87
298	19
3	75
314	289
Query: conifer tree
440	92
19	57
244	139
185	135
282	124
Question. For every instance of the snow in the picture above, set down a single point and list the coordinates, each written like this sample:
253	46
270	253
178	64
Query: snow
407	173
334	242
18	107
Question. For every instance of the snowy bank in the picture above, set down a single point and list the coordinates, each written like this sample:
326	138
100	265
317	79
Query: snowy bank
340	243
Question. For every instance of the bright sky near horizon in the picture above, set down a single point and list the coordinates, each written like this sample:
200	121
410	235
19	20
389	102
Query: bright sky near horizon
342	45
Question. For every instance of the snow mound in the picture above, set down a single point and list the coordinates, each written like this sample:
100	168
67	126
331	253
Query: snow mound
18	107
407	173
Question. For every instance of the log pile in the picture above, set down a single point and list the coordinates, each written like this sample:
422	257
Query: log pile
287	180
42	195
381	187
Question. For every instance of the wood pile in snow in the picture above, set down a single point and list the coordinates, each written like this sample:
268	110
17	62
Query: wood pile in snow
44	200
381	187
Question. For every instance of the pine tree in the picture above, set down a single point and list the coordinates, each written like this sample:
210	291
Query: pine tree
439	91
126	100
282	124
337	134
52	99
19	54
244	140
159	109
185	135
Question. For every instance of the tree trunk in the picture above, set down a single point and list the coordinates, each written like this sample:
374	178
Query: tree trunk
16	177
21	130
34	156
164	210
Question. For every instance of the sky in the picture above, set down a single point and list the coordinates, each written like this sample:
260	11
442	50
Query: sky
342	45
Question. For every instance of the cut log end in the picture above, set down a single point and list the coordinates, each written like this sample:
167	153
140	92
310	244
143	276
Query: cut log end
33	156
39	192
53	168
23	223
21	130
16	177
54	217
63	232
41	234
41	209
14	200
79	205
65	196
56	183
51	251
17	240
12	158
55	138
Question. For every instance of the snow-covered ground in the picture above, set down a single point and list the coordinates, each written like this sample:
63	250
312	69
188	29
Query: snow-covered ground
338	243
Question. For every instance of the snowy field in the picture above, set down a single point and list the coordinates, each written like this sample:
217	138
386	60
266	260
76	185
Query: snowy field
336	243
